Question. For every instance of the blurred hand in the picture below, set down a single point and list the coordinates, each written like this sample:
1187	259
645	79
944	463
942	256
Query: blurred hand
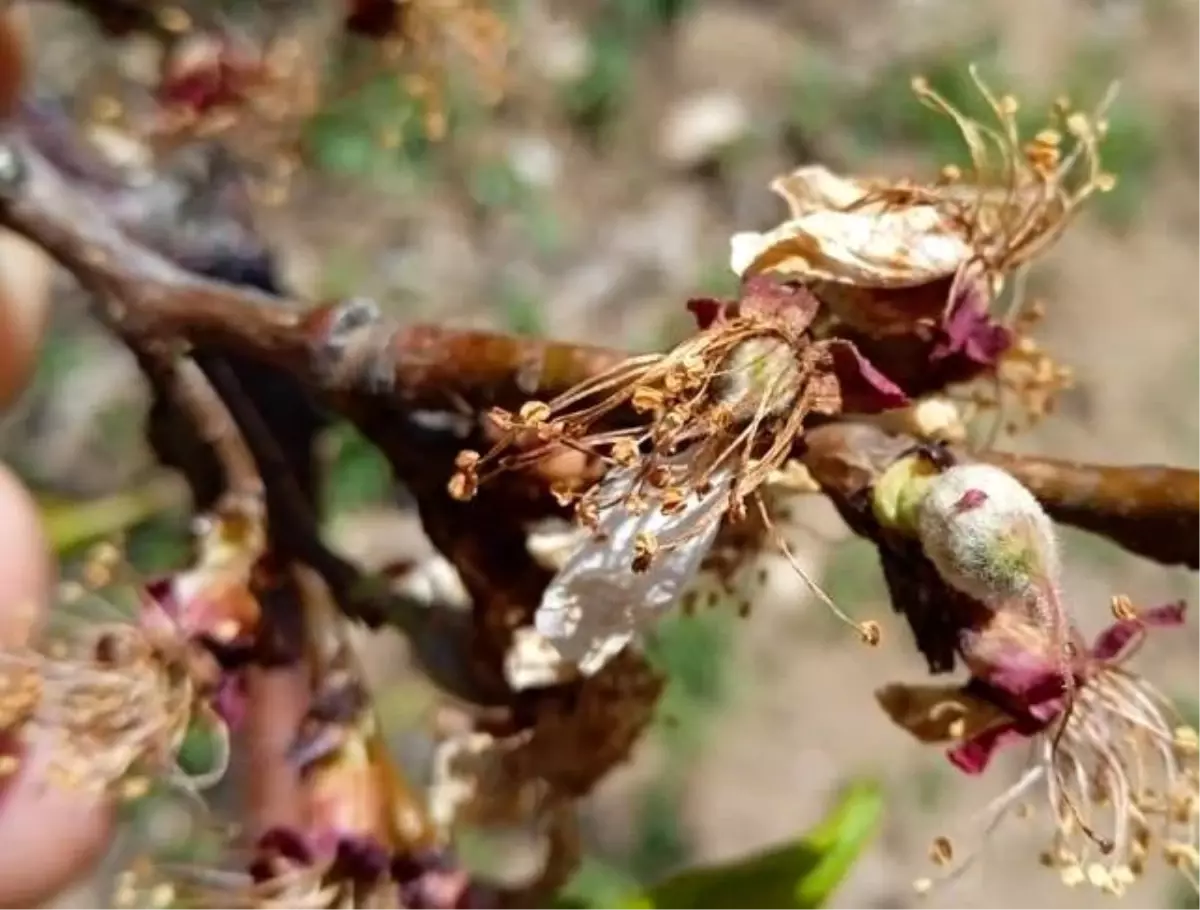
25	271
51	835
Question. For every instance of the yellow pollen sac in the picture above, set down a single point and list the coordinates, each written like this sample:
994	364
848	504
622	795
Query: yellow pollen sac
1186	740
1072	876
941	851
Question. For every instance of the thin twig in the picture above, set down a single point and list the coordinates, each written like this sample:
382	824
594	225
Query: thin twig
196	396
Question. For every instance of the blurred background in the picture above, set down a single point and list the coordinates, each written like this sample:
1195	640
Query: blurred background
634	136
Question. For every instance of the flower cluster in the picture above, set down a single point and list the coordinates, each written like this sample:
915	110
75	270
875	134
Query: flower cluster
871	290
714	419
117	698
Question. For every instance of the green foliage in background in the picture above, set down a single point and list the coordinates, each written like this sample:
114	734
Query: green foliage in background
803	873
693	653
345	137
616	39
358	473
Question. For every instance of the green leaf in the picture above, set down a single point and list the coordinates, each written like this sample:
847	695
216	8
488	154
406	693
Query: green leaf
359	474
801	874
71	525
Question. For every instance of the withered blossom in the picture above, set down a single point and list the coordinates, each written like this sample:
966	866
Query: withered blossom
116	704
928	260
211	601
718	416
362	842
1117	768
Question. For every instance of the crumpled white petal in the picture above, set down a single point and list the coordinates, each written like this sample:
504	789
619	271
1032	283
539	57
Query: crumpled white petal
870	246
899	248
596	603
532	662
817	188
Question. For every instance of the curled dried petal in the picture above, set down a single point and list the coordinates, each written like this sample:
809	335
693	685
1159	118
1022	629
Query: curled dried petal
864	389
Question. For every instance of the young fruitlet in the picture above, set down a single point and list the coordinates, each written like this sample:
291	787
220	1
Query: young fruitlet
989	537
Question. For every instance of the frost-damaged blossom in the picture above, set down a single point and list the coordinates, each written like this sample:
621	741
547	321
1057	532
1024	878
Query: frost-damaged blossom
886	256
720	414
363	841
118	698
115	703
209	73
1116	767
210	605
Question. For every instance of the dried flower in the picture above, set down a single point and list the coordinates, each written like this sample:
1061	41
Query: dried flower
927	261
1119	769
206	73
114	703
721	414
211	601
1019	195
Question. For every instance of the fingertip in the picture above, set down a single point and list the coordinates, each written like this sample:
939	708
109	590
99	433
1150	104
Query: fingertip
26	567
53	835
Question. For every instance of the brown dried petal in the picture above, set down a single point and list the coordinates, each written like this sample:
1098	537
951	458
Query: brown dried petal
938	714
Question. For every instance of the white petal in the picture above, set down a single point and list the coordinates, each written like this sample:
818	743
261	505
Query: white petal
596	602
532	662
815	187
900	248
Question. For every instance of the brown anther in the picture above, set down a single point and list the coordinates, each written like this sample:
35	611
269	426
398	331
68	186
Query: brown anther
564	492
1078	125
950	173
870	632
501	419
646	400
659	477
551	431
941	851
1186	740
534	413
466	460
645	548
462	487
625	452
587	514
720	417
672	501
